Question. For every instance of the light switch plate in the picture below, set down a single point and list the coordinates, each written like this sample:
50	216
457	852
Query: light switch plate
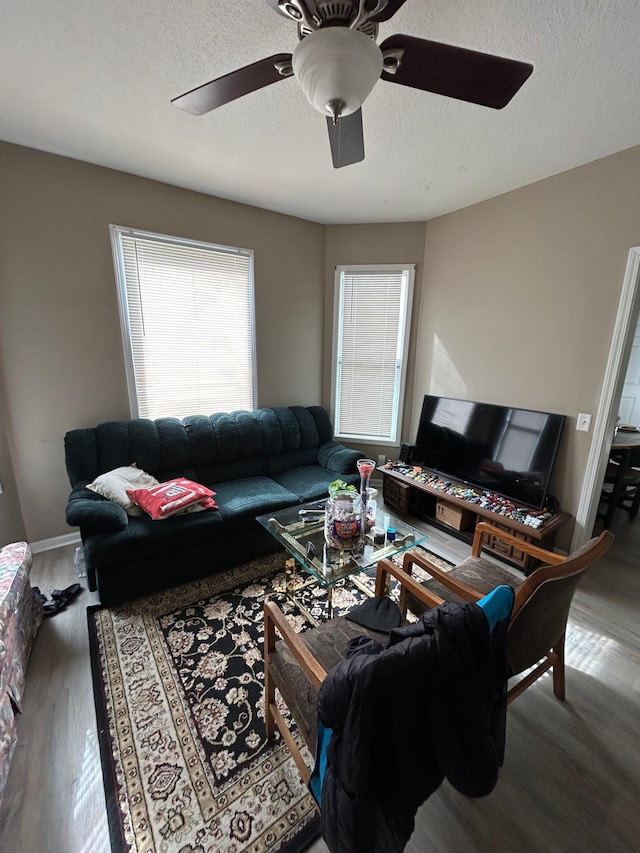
584	422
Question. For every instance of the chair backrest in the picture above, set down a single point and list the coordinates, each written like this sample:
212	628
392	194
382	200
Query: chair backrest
633	459
632	471
542	603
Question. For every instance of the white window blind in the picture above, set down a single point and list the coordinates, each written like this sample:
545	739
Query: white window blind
373	306
186	312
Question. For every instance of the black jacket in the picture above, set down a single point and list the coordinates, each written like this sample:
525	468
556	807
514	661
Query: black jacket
427	705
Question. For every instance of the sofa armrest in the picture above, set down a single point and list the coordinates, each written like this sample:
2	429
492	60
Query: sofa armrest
87	509
336	457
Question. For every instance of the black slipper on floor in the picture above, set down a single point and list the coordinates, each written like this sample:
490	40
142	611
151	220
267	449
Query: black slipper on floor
65	595
50	608
39	596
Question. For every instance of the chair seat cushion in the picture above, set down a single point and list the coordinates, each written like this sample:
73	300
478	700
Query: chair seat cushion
328	644
478	573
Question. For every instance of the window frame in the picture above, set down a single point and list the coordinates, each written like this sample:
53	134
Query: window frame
402	350
116	232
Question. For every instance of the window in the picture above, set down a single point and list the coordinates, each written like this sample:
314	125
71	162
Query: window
372	319
186	312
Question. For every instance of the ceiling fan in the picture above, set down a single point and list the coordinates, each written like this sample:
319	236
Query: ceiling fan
337	63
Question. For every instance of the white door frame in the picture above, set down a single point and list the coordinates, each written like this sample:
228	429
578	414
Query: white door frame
605	419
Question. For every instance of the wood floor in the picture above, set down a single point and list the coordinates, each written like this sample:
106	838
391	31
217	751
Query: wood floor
570	782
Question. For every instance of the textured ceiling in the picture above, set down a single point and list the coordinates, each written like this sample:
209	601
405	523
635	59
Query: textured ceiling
93	80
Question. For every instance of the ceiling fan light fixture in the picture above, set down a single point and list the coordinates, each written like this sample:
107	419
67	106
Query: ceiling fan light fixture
337	64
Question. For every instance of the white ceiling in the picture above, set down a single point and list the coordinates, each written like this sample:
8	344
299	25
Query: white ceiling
93	80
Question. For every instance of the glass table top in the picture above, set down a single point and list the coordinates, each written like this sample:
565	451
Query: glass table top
300	530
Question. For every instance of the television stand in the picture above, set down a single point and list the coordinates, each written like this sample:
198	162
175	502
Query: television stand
456	509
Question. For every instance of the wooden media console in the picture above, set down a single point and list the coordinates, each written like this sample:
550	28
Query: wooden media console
432	502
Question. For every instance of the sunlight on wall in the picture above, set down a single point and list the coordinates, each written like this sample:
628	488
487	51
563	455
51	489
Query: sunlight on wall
445	379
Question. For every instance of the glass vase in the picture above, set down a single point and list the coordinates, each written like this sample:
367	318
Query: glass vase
343	527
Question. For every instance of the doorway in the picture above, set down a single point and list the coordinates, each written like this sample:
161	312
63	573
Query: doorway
629	407
607	413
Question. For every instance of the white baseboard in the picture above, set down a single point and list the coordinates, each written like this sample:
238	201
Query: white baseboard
55	542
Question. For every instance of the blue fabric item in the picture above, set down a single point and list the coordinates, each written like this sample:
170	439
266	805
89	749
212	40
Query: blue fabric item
315	782
497	605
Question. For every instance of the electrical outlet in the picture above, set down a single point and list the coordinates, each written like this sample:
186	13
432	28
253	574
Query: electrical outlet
381	459
583	423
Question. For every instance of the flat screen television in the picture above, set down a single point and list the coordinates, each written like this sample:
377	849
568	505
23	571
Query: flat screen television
496	448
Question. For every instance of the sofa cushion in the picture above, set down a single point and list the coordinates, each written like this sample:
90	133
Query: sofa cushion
309	482
251	497
205	448
291	459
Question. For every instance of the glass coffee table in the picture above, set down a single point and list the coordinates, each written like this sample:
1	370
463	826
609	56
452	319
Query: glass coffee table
300	530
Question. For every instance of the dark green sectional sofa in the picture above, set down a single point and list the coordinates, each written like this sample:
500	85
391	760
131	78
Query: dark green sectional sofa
256	462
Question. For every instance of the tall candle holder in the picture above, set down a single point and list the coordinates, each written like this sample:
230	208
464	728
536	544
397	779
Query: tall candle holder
366	467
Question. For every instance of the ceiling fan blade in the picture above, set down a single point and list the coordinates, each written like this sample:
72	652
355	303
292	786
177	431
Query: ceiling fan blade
346	139
234	85
388	12
456	72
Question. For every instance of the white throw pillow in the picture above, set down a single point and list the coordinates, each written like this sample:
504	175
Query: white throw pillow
114	484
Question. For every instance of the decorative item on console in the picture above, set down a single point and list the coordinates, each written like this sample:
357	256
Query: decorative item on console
487	500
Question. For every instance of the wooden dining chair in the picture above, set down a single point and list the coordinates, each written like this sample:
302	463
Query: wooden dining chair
536	633
297	664
625	464
416	708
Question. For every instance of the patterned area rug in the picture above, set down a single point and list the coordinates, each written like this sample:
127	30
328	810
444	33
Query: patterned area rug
178	685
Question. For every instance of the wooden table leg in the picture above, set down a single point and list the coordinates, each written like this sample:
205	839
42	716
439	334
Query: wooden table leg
618	486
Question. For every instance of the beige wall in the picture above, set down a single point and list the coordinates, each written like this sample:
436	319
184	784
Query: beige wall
520	295
393	243
515	303
11	524
60	341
